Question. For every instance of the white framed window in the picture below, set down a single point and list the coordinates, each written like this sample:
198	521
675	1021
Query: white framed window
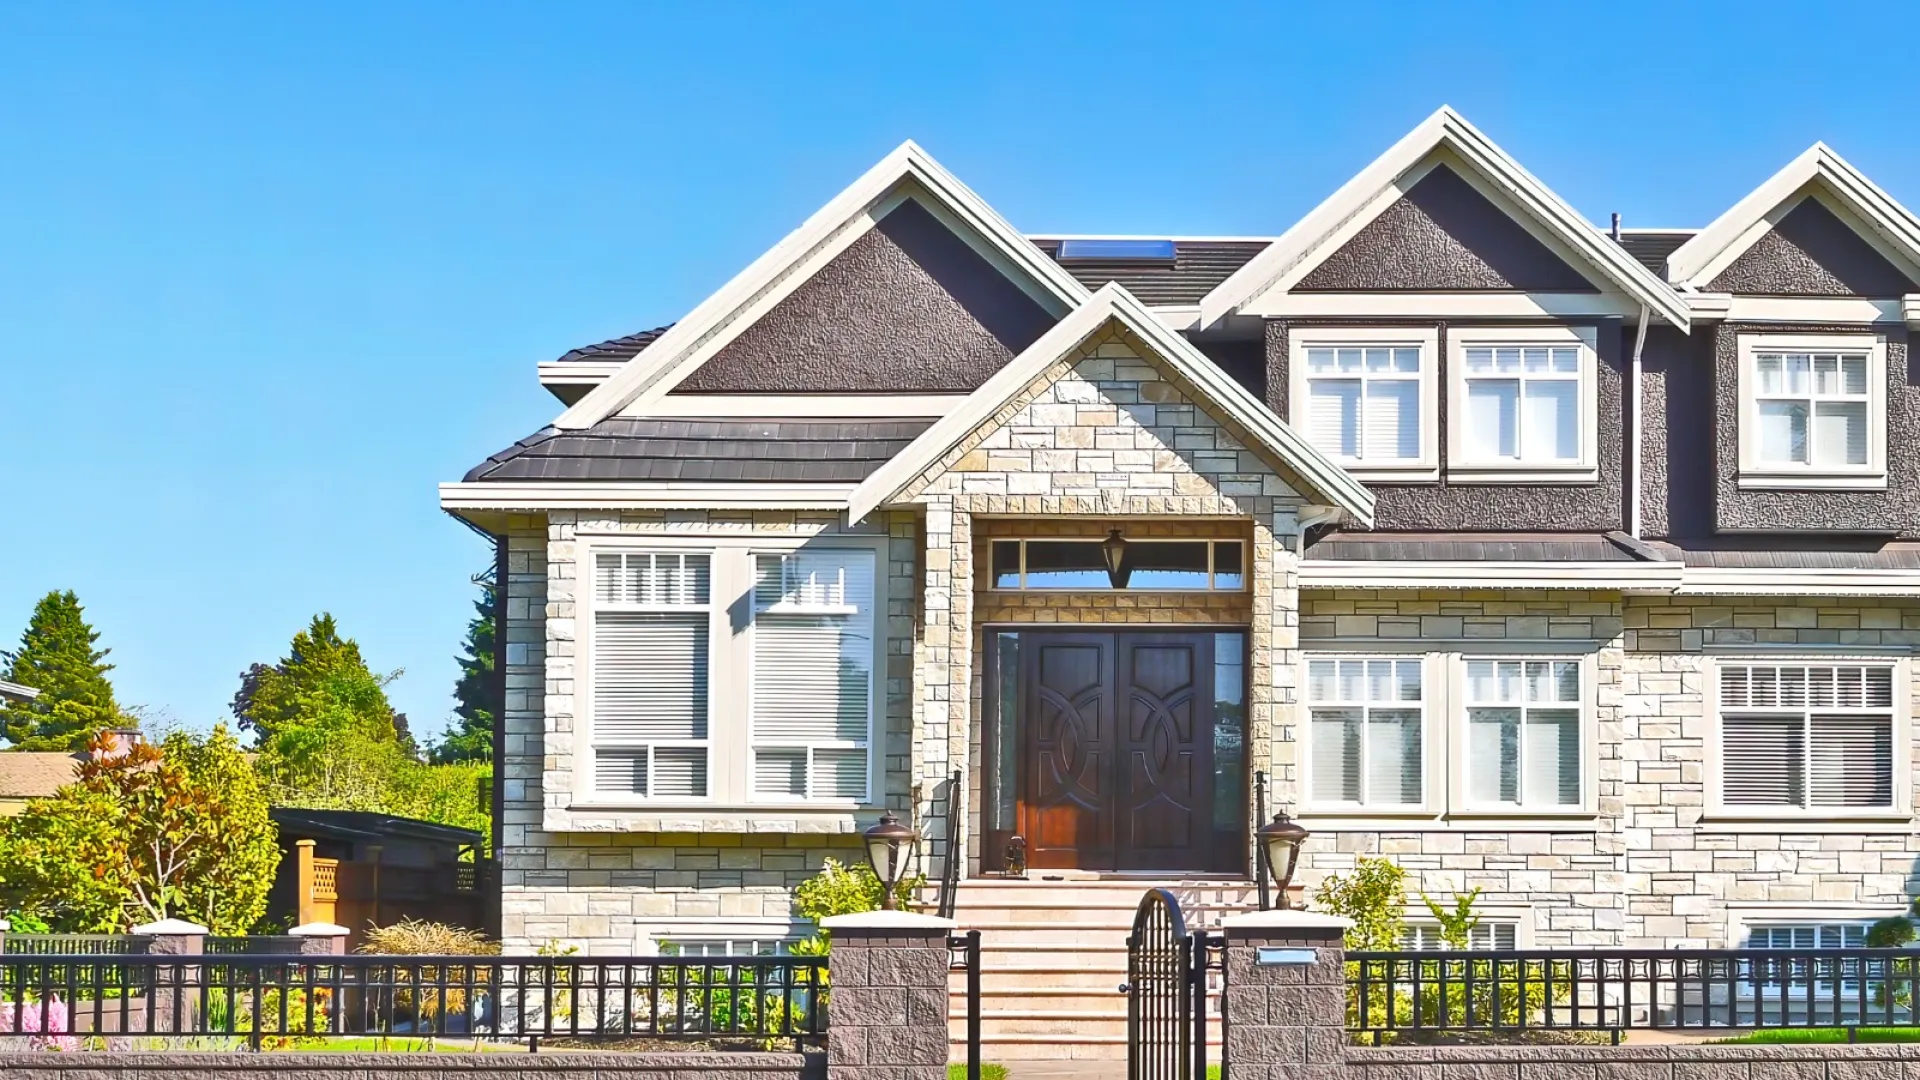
652	637
1524	732
1812	410
1368	398
1523	404
730	671
1808	936
1486	936
813	674
1366	732
718	947
1810	738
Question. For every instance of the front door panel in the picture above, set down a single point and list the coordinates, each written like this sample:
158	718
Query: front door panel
1164	820
1069	758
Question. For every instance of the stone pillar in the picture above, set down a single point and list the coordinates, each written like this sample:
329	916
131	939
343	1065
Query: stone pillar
303	881
321	938
887	1014
1284	1004
176	987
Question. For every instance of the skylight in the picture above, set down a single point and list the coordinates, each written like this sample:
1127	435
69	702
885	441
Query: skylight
1117	250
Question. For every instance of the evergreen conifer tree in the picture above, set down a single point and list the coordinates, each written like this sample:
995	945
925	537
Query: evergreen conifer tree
477	692
58	657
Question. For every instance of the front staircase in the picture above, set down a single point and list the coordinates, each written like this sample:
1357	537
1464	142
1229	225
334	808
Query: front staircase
1053	954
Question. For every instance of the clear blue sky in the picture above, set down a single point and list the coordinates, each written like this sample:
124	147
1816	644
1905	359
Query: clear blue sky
268	272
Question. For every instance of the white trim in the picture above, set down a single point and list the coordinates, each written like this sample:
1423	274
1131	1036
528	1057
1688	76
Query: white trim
791	261
1177	238
1445	129
1425	466
1633	577
1585	468
562	495
1447	305
1744	915
1460	804
1890	227
1786	476
11	691
579	372
1432	709
826	406
1114	303
1744	581
1803	309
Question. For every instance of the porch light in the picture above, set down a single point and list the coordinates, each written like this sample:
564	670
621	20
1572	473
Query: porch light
1281	839
1113	552
890	847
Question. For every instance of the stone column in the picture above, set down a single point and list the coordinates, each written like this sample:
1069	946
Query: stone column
887	1013
321	938
174	997
1285	999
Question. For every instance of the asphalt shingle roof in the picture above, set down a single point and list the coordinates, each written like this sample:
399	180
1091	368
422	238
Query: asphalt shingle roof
724	451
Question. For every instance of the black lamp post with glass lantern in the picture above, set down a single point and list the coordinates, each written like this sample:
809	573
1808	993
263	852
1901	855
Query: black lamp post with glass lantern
1281	839
890	849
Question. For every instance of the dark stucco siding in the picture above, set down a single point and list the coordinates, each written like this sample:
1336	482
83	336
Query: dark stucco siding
1895	510
1676	447
1443	506
1811	252
1443	235
907	308
1245	362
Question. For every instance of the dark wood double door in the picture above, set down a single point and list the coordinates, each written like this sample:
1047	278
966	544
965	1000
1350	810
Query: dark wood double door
1125	760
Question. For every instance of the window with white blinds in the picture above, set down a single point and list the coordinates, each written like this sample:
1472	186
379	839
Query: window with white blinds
1522	404
1810	409
1484	937
1366	724
813	675
1523	732
1807	736
1809	936
1362	402
649	670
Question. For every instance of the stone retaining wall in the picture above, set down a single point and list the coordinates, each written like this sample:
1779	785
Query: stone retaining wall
689	1065
1684	1062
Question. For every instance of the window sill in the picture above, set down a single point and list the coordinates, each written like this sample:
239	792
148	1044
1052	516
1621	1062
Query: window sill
1523	474
585	817
1733	821
1812	481
1413	473
1580	822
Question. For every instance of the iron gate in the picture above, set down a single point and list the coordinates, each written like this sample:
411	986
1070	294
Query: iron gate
1166	992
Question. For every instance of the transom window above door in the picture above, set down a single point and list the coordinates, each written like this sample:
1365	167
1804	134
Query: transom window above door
1812	411
1523	404
1367	398
1136	565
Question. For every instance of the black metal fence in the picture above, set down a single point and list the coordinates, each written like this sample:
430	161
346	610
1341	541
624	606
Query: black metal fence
1435	994
963	954
79	1001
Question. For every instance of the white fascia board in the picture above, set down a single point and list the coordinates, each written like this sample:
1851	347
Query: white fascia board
795	406
1637	577
1445	128
1811	309
641	496
1489	305
1114	302
1754	581
12	691
656	366
1712	247
578	372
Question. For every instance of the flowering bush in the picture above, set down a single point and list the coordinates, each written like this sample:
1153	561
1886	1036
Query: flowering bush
46	1020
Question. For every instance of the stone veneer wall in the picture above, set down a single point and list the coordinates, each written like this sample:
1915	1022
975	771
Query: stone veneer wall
614	882
1103	437
1646	871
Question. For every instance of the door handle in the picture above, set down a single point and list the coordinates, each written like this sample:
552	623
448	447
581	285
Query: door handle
1125	988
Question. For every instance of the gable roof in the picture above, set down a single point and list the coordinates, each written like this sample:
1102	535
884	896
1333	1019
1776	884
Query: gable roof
1695	263
36	774
1114	303
717	318
1318	234
623	448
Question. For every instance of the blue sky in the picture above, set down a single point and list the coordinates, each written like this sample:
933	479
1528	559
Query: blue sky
270	272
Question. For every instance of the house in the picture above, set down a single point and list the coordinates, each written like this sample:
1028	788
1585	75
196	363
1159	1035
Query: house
359	868
1576	565
38	774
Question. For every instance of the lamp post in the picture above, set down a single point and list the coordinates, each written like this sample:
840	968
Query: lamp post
890	846
1113	552
1281	839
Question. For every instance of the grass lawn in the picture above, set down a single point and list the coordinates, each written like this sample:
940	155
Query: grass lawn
988	1071
1813	1036
400	1044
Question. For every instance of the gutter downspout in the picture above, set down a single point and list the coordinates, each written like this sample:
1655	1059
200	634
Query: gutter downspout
1633	431
1318	515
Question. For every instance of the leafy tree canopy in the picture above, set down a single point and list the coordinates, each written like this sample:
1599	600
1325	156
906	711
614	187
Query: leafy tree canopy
145	833
477	693
58	657
308	680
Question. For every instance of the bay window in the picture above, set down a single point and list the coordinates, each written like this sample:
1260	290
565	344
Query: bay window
1812	410
730	672
1807	737
1366	398
1524	404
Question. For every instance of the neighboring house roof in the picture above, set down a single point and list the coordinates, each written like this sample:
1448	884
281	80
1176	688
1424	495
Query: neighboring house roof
620	348
908	172
29	774
10	691
1885	223
1652	246
364	826
1197	267
1377	186
1471	547
1113	303
745	451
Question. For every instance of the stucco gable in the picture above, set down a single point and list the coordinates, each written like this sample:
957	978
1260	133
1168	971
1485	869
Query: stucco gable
1107	427
1811	251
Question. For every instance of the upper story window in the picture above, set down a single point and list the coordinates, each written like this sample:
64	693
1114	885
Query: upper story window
1808	737
1368	399
1146	565
1523	404
1812	411
730	673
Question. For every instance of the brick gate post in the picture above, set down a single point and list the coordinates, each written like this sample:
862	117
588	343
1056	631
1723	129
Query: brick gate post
887	1012
173	1000
1284	1005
